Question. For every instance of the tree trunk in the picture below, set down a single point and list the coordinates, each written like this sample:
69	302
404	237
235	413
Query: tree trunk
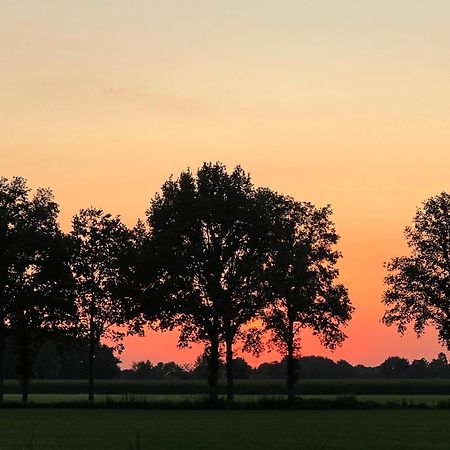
229	357
2	359
25	387
92	344
213	370
291	363
25	358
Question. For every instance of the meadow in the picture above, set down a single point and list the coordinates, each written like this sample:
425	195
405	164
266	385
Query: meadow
430	392
252	387
143	429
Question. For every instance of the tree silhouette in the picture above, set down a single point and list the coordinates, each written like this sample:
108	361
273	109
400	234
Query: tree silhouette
99	242
43	300
303	272
34	276
13	216
394	367
207	233
419	285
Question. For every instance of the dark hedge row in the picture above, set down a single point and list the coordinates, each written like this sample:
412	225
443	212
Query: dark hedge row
243	387
340	403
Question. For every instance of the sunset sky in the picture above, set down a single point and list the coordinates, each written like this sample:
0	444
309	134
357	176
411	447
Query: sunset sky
342	102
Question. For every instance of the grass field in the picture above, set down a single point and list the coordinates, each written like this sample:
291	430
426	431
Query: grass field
173	398
416	391
242	387
211	430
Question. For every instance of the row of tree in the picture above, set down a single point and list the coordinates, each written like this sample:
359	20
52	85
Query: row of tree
214	255
221	261
65	358
308	367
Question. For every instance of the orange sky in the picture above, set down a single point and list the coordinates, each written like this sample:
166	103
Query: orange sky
333	102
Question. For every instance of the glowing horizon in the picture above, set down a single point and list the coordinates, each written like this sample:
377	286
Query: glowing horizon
330	102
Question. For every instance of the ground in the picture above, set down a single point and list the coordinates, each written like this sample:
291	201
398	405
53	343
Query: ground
211	430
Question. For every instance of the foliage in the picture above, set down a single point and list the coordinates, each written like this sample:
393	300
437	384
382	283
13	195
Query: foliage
99	243
302	279
35	280
418	285
99	240
64	357
208	236
145	370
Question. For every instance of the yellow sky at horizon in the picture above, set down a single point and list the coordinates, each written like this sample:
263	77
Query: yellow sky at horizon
344	102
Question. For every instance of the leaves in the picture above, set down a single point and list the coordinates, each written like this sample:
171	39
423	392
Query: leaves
418	286
303	273
99	241
210	246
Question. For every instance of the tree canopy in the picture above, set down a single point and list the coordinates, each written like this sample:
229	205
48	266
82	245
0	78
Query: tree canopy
208	232
215	254
35	279
302	284
99	241
418	285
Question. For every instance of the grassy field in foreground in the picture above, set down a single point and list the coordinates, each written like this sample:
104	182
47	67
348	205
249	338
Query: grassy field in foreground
132	429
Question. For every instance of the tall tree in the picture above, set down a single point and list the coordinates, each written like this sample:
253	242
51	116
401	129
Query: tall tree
418	285
303	273
99	242
43	300
207	232
13	215
34	276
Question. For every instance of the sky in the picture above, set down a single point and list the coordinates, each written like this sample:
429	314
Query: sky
340	102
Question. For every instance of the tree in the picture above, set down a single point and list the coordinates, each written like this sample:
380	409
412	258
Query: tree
142	370
99	242
241	369
13	216
439	367
208	233
303	272
394	367
43	301
419	368
34	278
72	354
344	369
317	367
418	285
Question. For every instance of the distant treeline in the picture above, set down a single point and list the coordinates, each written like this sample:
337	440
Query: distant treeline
309	367
65	358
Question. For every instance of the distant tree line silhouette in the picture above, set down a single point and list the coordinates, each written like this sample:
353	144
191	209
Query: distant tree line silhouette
219	260
67	358
308	367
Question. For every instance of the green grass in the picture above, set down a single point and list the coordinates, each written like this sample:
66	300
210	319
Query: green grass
217	430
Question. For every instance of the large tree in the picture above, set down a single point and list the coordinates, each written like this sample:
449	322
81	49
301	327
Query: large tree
208	232
43	301
34	276
303	290
99	242
418	285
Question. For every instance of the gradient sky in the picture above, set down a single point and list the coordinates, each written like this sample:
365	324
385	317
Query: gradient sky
342	102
